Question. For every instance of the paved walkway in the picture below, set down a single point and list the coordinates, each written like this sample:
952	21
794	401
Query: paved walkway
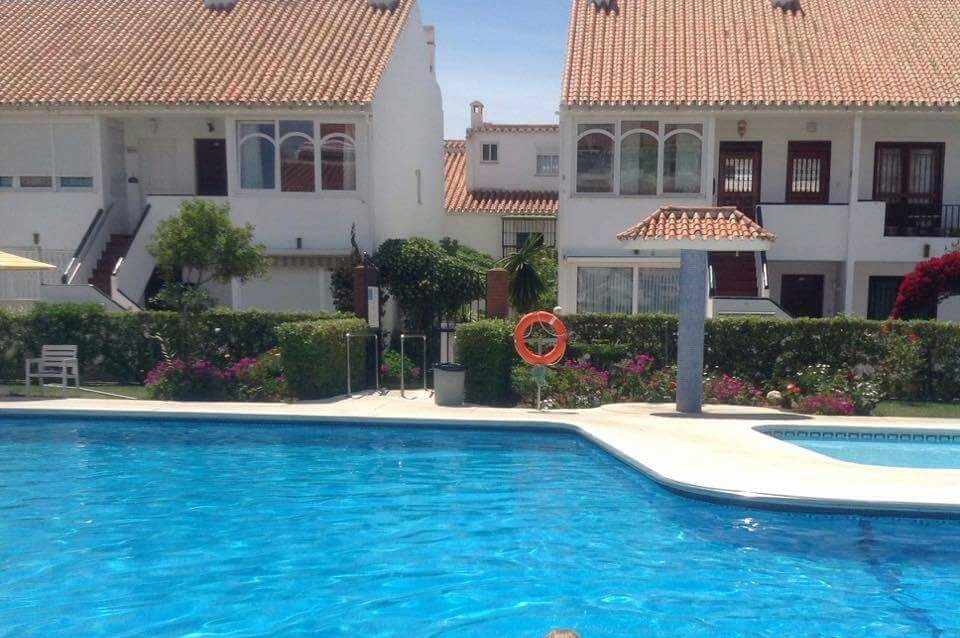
717	456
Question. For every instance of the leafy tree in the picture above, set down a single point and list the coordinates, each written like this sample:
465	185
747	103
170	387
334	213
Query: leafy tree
426	281
200	245
527	284
341	287
477	260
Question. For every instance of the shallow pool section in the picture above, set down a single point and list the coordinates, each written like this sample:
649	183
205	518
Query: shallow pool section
903	449
181	528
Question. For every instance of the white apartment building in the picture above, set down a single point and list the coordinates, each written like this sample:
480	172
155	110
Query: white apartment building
501	184
308	117
834	124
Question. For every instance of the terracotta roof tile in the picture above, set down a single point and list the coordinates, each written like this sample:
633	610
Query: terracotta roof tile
178	52
751	53
696	224
489	127
490	202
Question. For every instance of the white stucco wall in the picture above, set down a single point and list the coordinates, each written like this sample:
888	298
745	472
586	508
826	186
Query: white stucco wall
407	141
775	132
949	309
293	289
516	167
59	217
481	232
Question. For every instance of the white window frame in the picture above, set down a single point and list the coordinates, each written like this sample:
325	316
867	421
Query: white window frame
277	189
655	264
547	154
619	136
491	145
54	172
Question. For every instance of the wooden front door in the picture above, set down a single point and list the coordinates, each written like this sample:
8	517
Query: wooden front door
802	295
211	159
738	182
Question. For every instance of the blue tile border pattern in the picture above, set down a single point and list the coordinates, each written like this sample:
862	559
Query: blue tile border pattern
845	435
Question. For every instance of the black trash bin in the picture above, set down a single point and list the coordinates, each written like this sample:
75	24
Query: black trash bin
448	384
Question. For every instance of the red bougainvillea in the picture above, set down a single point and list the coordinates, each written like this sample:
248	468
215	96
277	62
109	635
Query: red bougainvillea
929	283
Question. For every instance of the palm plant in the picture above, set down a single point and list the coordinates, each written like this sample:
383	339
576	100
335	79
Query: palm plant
526	283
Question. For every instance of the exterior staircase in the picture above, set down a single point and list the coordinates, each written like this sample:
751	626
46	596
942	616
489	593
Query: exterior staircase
735	274
116	248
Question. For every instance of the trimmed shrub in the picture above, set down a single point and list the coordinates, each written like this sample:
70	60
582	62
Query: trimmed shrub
486	349
314	357
116	346
909	360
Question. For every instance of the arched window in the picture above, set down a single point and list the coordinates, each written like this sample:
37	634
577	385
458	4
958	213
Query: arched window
682	150
639	157
338	157
258	151
595	152
297	164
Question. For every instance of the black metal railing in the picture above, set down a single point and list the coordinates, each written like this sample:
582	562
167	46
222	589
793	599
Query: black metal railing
764	279
516	231
80	254
904	219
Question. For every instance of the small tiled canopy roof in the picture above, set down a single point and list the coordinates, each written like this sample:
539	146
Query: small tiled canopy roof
723	228
489	202
828	53
292	53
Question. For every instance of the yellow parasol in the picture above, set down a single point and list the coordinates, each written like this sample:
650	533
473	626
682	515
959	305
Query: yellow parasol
15	262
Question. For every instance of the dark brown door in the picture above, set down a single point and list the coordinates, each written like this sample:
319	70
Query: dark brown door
211	157
909	177
738	183
802	295
808	172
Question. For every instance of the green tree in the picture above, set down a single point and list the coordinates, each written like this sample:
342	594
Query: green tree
201	245
527	284
426	281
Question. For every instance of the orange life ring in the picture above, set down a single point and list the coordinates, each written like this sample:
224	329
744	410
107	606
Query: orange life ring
522	330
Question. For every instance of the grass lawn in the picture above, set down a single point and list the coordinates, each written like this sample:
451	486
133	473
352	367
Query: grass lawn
132	391
916	409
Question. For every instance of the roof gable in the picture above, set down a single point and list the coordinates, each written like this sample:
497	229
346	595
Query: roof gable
457	199
90	53
833	53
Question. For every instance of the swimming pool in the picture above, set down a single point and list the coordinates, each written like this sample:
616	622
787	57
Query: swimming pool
141	528
904	449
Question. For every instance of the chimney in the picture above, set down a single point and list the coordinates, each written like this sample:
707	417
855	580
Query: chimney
430	32
476	114
383	4
220	5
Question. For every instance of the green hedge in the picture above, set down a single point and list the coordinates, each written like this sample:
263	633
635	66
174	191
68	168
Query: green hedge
114	346
486	349
760	350
314	357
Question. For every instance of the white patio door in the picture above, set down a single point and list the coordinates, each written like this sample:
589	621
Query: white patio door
158	167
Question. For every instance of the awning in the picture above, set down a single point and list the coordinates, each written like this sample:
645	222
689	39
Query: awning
16	262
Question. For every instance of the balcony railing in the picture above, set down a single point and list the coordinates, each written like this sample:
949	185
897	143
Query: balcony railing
922	220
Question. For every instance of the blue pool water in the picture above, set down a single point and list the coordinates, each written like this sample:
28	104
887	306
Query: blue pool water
188	529
897	453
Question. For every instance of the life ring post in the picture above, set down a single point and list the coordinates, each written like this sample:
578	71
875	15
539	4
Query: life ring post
540	360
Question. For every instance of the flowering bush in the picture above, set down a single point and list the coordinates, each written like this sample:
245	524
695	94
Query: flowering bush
186	380
573	384
729	390
258	379
580	384
927	285
198	380
390	366
829	404
637	380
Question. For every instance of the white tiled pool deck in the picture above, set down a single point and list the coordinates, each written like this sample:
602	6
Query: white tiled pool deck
718	456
